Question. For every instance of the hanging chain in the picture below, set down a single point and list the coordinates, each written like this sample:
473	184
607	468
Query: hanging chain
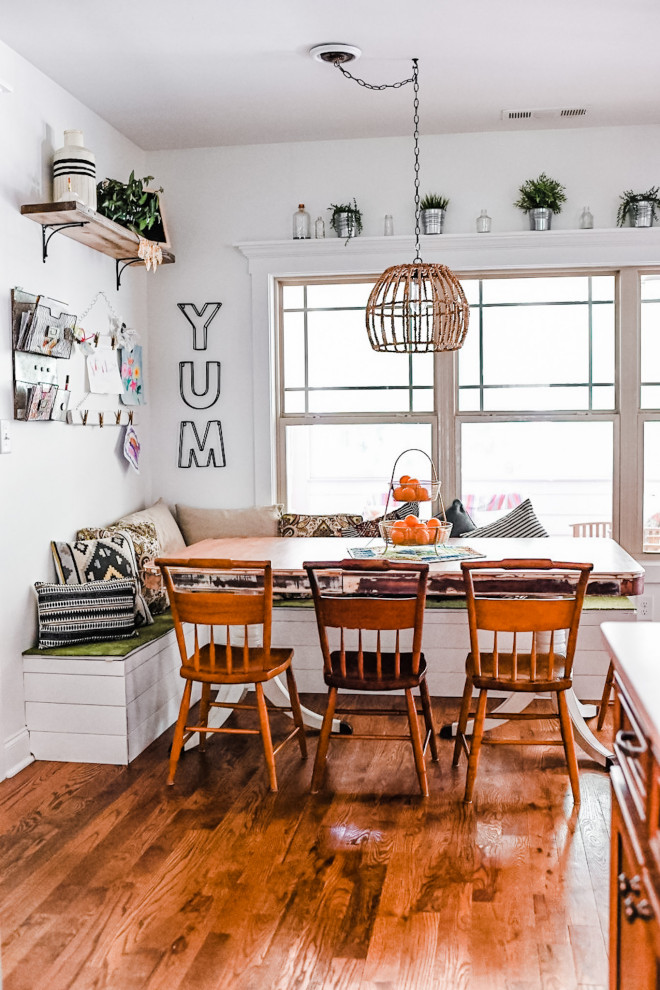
414	79
418	256
361	82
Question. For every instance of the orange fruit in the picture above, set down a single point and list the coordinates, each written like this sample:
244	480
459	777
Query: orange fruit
398	536
404	479
412	521
413	482
399	524
408	493
422	536
398	495
421	494
433	523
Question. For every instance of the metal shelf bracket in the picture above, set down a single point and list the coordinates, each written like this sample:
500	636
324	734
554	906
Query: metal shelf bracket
125	263
55	228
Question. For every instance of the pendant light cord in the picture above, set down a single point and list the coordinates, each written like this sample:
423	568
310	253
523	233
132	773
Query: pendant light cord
414	79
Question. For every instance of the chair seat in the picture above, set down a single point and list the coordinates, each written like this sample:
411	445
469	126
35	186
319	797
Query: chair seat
371	680
504	681
260	666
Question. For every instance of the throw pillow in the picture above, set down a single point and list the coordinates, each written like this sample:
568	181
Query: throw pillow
108	559
85	613
521	521
145	543
168	533
459	518
369	527
216	524
297	524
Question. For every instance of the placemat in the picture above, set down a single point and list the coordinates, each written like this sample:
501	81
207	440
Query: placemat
442	552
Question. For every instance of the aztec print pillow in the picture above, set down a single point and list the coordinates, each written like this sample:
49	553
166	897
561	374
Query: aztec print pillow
369	527
296	524
146	546
521	521
85	613
109	559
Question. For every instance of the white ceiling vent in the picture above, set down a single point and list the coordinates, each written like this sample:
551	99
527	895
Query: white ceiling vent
544	113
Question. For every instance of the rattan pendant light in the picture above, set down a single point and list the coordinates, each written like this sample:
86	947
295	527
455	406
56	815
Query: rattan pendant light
417	307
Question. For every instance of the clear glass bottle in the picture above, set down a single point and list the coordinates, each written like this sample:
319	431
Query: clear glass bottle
483	223
319	228
586	219
388	225
301	225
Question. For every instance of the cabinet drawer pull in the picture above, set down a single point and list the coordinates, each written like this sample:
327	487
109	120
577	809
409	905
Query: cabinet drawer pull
644	910
629	908
629	744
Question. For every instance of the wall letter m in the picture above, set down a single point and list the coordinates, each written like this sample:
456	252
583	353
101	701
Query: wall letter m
211	447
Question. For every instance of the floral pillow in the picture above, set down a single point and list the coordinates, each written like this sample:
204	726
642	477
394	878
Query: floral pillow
369	527
297	524
145	543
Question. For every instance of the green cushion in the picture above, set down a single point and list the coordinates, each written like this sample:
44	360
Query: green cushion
115	648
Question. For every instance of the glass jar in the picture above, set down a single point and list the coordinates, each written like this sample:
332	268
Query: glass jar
301	224
388	225
483	223
319	228
586	219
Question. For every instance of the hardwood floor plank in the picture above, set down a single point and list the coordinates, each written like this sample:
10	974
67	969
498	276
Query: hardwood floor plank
589	953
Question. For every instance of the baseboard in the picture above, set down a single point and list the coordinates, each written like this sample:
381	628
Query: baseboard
17	752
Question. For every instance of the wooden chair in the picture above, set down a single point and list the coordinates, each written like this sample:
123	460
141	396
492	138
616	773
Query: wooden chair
208	595
372	611
498	660
603	529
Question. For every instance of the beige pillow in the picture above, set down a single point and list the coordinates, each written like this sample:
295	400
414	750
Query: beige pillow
205	524
169	535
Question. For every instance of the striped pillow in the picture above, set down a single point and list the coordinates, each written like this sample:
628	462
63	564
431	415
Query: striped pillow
85	613
521	521
369	527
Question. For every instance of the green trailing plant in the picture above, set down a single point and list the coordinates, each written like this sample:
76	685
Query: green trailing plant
541	193
628	205
354	217
434	202
132	205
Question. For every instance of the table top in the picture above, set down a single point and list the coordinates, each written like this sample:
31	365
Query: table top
635	650
615	571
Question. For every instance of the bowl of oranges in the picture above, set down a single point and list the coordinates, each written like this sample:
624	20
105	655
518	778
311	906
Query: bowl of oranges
414	532
409	489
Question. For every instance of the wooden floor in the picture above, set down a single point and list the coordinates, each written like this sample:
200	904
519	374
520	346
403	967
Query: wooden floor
109	879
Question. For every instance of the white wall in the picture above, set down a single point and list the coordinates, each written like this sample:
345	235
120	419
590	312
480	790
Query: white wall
58	477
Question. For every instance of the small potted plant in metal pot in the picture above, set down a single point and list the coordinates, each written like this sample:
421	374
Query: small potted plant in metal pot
540	198
639	209
345	220
432	211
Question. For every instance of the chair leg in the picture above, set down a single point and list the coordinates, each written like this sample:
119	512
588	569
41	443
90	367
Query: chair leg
605	700
264	726
416	739
296	711
569	745
177	741
475	748
462	721
324	739
428	718
204	707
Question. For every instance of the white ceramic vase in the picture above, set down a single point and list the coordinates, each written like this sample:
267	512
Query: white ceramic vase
74	171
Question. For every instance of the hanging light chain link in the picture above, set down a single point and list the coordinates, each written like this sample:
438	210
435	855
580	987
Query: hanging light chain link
415	76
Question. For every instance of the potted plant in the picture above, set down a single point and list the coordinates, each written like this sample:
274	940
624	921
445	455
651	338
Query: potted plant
638	208
433	209
540	198
345	220
133	205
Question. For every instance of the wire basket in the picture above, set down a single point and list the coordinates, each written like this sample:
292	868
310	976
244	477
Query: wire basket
401	533
409	489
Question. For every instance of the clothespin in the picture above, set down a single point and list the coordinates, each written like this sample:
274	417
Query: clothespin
96	339
85	413
118	417
114	341
130	417
100	419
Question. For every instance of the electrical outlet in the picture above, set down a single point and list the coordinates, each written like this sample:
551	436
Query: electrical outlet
5	436
644	608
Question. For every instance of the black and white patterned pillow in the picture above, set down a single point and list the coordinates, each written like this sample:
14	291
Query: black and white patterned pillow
369	527
109	559
521	521
85	613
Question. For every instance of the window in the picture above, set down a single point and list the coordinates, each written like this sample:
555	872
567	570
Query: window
539	403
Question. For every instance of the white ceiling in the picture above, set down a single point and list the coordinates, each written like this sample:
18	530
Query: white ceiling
199	73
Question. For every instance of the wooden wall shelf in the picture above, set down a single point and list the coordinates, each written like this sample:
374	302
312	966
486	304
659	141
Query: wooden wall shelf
91	228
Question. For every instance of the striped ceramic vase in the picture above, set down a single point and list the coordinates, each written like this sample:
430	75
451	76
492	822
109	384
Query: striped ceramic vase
74	171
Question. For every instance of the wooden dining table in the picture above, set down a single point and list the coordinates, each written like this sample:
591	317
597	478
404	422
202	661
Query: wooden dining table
615	574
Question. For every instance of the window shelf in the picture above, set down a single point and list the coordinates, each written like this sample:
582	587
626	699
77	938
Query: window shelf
91	228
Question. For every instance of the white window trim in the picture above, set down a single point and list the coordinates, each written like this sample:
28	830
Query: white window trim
628	249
